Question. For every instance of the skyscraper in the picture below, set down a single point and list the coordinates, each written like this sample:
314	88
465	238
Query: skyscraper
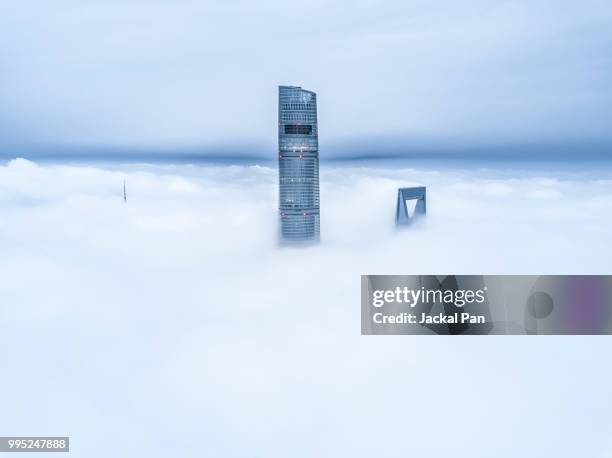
298	164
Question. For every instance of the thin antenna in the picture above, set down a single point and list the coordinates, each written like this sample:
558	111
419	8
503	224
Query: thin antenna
124	193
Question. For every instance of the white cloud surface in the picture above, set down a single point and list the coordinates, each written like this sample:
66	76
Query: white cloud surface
174	325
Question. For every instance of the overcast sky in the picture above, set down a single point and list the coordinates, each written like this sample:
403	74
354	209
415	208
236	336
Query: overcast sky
154	74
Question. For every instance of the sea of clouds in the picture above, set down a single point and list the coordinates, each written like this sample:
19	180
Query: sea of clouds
174	324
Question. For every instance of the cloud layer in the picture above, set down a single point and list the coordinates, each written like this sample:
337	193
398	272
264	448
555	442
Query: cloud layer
175	325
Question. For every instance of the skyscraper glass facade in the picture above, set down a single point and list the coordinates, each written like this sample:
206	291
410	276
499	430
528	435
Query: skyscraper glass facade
298	164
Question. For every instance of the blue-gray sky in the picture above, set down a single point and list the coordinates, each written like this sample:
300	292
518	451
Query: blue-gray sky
169	74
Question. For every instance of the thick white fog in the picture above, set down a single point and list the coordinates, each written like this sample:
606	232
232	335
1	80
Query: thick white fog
173	324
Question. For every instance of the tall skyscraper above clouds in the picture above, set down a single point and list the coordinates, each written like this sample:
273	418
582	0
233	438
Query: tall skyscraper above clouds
298	164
